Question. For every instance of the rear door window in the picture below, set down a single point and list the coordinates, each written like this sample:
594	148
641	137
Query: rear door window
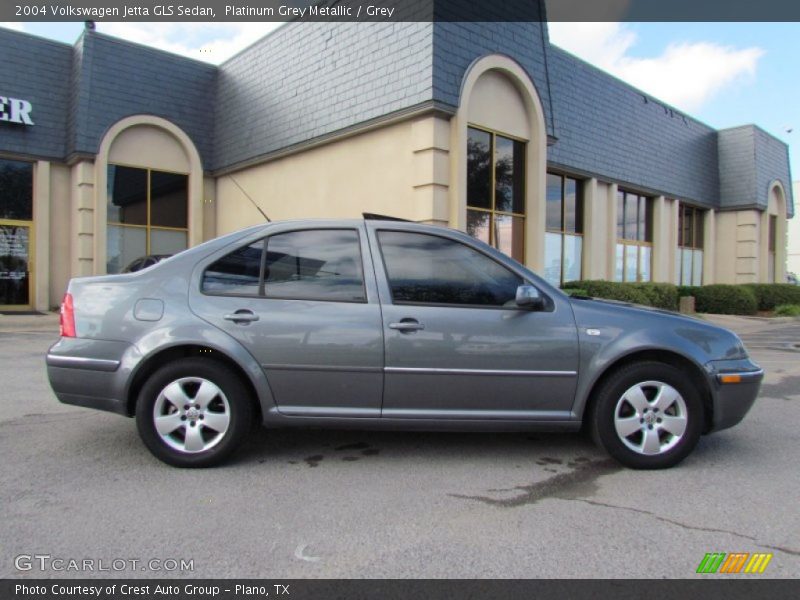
314	264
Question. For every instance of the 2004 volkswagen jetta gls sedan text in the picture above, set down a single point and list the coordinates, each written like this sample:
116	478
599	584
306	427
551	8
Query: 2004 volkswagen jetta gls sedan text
380	323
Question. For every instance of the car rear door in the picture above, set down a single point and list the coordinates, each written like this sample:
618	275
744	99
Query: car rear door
303	301
456	344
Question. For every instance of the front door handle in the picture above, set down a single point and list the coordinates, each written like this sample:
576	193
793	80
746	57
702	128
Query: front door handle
407	325
242	316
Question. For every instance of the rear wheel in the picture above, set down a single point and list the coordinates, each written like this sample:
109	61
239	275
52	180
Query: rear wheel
193	412
647	415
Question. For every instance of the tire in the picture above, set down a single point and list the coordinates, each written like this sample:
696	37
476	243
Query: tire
647	415
188	436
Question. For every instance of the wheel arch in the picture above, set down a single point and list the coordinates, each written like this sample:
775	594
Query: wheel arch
669	357
153	362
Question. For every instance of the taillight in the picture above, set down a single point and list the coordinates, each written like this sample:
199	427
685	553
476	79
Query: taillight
67	320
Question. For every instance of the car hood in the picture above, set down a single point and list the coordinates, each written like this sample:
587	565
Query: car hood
619	304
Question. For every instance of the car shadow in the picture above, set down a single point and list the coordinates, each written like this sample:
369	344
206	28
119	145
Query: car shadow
314	448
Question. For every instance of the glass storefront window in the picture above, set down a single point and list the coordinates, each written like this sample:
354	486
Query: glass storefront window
564	229
773	234
147	214
496	191
689	258
634	237
16	190
16	222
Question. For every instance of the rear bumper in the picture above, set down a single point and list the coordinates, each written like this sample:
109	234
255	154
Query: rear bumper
735	385
90	373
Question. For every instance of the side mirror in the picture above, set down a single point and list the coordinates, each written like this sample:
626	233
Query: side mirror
529	297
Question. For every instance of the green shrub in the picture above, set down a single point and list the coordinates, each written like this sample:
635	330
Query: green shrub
787	310
687	290
661	295
575	292
725	299
770	295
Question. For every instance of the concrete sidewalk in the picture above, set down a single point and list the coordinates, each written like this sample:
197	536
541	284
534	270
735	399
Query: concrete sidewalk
747	325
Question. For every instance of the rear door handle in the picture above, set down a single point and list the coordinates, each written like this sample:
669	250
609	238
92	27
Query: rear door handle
242	316
407	325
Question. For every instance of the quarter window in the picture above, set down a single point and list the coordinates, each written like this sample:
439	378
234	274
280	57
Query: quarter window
147	214
428	269
322	264
496	191
689	258
634	237
238	273
564	235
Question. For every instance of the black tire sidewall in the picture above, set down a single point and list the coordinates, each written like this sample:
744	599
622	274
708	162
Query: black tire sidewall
611	391
239	401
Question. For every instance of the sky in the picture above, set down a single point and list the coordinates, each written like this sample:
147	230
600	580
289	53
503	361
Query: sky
724	74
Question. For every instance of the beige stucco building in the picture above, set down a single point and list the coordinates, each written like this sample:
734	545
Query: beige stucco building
135	152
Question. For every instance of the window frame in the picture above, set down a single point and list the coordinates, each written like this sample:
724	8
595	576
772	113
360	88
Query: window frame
261	295
493	212
579	210
148	227
625	242
549	306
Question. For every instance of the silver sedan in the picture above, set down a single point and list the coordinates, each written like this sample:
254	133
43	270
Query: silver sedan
379	323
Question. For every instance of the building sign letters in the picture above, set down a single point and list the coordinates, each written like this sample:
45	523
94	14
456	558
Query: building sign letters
14	110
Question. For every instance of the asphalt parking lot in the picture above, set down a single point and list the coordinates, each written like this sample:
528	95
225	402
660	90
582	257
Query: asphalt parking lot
78	484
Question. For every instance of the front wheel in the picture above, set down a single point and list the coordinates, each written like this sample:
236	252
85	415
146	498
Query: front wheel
647	416
193	412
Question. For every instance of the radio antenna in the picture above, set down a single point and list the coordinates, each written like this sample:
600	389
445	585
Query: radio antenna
258	208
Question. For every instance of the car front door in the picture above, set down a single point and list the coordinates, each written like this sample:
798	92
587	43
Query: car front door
300	302
457	345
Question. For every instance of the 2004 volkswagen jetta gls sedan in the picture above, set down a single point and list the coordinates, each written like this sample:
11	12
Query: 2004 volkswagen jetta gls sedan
379	323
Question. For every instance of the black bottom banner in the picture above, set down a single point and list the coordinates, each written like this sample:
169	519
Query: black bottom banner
346	589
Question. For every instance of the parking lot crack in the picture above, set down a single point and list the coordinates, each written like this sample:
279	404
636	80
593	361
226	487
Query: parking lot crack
686	526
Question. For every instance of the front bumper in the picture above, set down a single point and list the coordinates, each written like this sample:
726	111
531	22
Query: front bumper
90	373
735	385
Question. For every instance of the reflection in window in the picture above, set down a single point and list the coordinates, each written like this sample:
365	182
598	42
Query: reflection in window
427	269
634	237
689	257
16	214
496	191
15	266
16	190
238	273
147	214
322	264
564	230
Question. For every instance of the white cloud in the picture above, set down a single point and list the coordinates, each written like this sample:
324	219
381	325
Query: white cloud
210	42
13	25
685	74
